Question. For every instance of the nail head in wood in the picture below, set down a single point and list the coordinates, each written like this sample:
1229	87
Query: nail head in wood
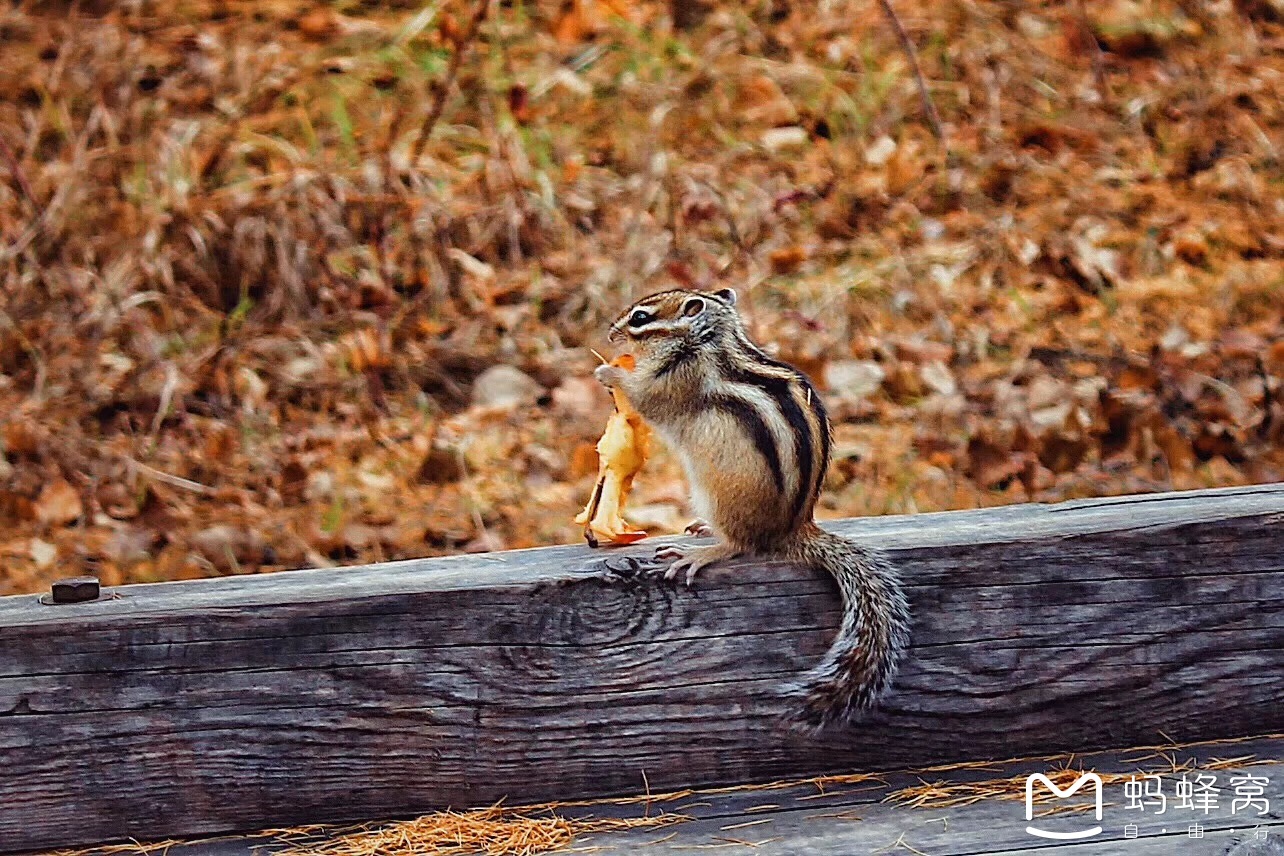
73	590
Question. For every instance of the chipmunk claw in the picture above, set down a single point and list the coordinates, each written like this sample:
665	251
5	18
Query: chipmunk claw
686	563
692	559
700	528
677	558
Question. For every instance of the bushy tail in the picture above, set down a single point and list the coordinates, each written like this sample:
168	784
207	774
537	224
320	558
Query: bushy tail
862	661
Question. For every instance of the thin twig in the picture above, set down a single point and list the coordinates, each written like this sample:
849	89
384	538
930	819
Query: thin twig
1098	60
390	138
259	101
1264	429
19	177
443	91
166	400
168	478
929	108
33	353
79	159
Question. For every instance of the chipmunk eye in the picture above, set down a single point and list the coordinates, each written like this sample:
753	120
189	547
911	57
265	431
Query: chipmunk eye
640	317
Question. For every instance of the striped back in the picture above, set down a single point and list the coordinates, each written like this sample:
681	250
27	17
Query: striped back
798	421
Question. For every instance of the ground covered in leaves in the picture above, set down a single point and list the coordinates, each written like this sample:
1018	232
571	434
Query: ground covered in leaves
290	284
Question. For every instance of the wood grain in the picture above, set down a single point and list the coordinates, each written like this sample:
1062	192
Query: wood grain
345	694
992	826
841	817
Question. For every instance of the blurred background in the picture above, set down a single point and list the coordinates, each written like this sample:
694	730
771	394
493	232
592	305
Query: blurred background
289	283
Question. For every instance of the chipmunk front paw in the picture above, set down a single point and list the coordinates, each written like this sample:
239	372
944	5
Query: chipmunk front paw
609	376
700	529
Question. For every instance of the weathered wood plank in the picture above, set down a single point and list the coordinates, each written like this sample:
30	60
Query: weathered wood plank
688	839
841	819
238	703
989	827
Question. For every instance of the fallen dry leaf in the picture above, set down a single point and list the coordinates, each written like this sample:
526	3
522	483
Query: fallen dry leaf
622	452
59	504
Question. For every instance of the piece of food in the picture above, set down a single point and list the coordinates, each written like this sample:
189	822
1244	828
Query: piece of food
621	453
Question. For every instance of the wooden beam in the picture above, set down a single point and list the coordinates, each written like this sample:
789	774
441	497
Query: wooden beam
245	702
842	817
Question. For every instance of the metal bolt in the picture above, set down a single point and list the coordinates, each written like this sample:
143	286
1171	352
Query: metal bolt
74	590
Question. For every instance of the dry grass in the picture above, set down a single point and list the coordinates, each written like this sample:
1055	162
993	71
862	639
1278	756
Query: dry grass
493	831
945	794
526	830
133	848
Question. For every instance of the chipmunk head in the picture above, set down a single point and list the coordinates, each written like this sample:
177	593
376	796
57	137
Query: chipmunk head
678	318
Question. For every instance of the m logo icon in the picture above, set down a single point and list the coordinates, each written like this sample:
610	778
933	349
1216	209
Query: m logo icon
1061	794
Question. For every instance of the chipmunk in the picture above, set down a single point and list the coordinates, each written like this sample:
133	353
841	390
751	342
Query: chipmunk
754	438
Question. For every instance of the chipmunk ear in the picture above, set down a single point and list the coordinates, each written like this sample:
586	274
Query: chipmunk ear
693	307
726	294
